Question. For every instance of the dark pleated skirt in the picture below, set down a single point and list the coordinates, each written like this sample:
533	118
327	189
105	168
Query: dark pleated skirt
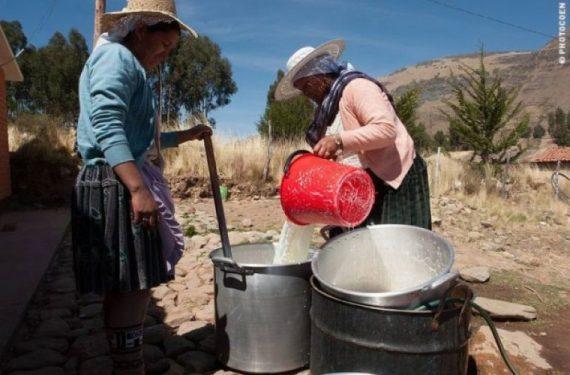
409	204
110	252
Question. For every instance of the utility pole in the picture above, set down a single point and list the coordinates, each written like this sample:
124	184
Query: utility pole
100	8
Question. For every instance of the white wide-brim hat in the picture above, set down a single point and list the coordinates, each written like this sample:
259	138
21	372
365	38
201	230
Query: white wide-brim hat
166	8
285	89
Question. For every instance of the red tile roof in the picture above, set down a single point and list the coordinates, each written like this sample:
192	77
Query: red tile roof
553	154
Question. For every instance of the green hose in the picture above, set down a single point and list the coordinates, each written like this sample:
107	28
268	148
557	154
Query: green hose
488	320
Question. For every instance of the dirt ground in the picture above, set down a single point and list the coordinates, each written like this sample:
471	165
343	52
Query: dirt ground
529	263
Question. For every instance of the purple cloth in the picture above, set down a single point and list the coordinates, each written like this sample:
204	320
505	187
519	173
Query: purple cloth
171	236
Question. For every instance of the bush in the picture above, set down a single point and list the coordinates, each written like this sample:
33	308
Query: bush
538	132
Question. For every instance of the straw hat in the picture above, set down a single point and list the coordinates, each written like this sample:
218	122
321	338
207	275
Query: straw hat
145	7
285	89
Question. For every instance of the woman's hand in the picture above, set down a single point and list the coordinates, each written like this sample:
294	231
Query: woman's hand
145	208
143	205
327	147
197	132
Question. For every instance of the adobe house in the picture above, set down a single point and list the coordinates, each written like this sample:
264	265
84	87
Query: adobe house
9	71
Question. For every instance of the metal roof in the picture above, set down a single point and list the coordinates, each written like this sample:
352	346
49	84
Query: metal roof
7	61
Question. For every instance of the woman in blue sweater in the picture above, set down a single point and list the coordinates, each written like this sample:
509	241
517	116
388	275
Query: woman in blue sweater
125	238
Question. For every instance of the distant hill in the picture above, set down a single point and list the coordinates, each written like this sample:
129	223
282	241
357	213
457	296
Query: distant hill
543	81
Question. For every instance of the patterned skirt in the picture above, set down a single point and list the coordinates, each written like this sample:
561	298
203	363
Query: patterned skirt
409	204
110	252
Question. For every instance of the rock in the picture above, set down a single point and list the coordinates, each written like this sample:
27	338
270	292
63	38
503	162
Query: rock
193	282
237	238
503	310
473	236
208	345
191	298
54	313
149	321
161	291
491	246
180	271
204	313
175	368
152	353
196	330
71	365
177	287
88	299
157	368
177	315
246	223
86	347
42	371
63	285
436	221
523	350
37	359
197	361
74	323
91	311
156	334
199	241
97	366
58	344
77	332
93	324
475	274
55	327
176	345
486	224
271	235
61	302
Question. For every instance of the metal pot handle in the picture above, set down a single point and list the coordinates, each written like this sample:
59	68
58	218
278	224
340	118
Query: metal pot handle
442	281
290	159
229	265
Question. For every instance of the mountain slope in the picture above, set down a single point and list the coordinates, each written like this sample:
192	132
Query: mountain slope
542	81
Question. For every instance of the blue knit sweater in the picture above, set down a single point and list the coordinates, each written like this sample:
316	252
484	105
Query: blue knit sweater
117	109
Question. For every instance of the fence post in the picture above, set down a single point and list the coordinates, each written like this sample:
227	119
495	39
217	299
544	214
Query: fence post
269	152
555	180
437	167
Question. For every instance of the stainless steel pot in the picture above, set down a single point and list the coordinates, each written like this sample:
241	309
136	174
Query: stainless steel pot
262	310
396	266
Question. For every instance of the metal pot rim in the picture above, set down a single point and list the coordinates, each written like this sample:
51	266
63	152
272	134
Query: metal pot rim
317	288
260	266
367	295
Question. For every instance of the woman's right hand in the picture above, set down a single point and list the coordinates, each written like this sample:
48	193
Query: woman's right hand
145	208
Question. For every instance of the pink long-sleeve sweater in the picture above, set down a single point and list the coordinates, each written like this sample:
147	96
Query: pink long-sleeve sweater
373	130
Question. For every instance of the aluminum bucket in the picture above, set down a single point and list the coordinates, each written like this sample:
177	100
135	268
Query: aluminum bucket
262	310
397	266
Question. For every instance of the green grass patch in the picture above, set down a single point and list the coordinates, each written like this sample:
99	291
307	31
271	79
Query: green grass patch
190	231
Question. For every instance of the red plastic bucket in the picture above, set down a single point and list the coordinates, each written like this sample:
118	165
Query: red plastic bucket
319	191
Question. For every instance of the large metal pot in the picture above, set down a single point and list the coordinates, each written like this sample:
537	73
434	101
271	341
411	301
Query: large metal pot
352	337
398	266
262	310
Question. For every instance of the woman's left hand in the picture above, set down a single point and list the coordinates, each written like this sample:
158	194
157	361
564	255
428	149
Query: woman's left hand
326	148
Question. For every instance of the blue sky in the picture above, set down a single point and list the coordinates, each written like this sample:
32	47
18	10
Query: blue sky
258	36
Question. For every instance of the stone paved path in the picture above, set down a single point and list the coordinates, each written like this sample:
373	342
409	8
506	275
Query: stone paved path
28	241
63	334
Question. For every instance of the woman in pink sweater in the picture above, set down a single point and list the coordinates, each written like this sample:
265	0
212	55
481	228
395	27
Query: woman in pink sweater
356	122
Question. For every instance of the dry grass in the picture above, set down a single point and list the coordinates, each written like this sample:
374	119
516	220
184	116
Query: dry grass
518	194
241	160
